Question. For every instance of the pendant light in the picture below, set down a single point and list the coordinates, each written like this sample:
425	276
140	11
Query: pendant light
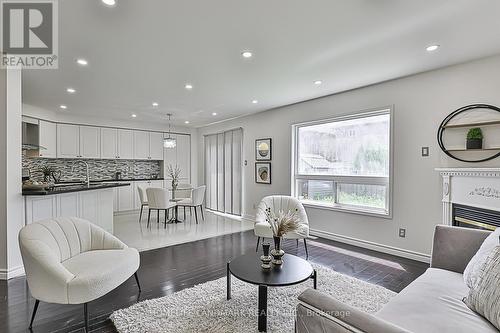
169	142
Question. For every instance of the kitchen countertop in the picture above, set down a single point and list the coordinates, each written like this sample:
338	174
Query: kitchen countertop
112	180
74	188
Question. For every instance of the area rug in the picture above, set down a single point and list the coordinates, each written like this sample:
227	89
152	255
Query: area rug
204	307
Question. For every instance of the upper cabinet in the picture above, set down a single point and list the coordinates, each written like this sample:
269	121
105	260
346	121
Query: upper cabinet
47	139
90	142
117	144
180	156
125	144
148	145
68	141
141	145
75	141
109	143
156	146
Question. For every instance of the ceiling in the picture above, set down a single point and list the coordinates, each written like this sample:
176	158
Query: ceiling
145	51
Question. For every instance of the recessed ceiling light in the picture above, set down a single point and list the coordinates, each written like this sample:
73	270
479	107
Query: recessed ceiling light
214	113
82	62
255	101
134	116
318	82
188	86
155	104
186	122
246	54
431	48
62	106
109	2
71	90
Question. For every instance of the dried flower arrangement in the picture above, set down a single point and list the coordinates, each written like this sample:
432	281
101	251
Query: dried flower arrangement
174	173
283	222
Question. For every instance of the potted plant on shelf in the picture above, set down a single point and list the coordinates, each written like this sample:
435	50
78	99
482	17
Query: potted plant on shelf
475	138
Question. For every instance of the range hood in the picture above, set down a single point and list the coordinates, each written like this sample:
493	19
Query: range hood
31	134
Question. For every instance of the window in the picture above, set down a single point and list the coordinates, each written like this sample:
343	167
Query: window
344	163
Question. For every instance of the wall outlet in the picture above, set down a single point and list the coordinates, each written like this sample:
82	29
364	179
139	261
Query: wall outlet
246	162
425	151
402	232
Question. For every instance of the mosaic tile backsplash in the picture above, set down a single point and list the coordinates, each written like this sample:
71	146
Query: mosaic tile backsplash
99	169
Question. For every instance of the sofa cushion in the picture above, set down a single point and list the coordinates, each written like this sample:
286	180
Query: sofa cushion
433	304
473	269
98	272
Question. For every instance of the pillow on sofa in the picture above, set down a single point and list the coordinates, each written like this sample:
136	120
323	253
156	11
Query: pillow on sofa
484	298
473	268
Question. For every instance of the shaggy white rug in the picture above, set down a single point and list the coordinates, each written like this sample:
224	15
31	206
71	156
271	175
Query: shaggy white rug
204	307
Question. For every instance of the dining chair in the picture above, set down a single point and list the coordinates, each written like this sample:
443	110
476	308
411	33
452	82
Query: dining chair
196	200
184	192
158	199
143	199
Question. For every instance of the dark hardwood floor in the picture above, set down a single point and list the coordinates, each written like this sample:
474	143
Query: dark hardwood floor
168	270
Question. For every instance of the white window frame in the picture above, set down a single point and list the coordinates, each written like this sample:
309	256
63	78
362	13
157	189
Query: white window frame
368	180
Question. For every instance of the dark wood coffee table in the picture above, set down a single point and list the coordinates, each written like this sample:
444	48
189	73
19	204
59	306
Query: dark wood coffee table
247	268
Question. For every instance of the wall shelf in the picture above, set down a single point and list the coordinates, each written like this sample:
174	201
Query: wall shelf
485	123
465	149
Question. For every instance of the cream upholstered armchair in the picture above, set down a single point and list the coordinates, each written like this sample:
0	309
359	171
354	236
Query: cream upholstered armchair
278	203
69	260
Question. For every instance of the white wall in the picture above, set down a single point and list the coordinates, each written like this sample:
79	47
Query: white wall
420	103
11	202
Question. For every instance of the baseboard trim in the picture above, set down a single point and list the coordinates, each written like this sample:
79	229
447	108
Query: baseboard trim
422	257
6	274
248	217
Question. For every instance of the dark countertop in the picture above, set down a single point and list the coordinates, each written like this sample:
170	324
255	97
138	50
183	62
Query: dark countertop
112	180
73	188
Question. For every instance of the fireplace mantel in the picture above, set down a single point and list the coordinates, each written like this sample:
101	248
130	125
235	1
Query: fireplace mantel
477	187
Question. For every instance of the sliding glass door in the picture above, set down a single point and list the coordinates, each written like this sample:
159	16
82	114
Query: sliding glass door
223	160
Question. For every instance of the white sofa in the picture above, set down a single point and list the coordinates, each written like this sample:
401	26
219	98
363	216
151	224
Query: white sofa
71	261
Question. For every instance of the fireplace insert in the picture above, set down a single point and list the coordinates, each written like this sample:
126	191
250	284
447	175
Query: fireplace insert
474	217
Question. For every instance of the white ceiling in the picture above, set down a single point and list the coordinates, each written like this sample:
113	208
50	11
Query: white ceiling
147	50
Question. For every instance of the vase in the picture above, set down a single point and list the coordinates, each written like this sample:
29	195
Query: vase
277	253
174	188
265	258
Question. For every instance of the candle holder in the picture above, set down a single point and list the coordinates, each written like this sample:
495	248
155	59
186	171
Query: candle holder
266	258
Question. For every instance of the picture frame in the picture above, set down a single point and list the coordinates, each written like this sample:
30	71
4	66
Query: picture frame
263	173
263	149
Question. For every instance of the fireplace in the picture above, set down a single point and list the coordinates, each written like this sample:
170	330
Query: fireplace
474	217
471	197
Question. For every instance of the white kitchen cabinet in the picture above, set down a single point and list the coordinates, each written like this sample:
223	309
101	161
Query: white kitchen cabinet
90	142
109	143
47	139
94	206
125	144
156	146
180	156
68	141
141	145
125	198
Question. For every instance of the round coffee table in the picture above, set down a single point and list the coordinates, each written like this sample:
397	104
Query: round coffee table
294	270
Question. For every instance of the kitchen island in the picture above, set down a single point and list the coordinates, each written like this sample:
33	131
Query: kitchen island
93	203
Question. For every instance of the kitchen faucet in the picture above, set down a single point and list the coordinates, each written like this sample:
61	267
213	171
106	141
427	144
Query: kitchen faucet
87	180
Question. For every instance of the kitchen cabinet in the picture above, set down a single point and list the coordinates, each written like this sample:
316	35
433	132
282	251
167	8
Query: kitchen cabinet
117	144
156	146
75	141
109	143
68	141
141	145
94	206
125	198
180	156
47	139
90	142
125	144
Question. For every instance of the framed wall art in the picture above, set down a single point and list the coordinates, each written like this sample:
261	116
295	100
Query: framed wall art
263	172
263	149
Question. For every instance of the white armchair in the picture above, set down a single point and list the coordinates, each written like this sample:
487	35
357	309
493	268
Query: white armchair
262	229
71	261
196	200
